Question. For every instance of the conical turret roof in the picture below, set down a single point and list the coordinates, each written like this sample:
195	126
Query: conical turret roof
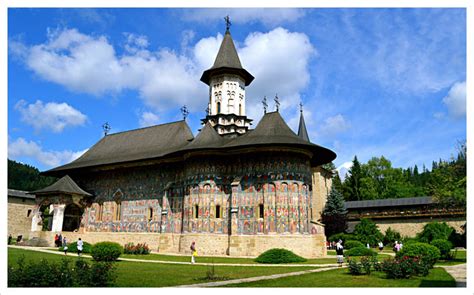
227	61
302	132
207	138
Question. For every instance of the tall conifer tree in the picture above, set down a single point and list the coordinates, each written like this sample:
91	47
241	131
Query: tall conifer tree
334	213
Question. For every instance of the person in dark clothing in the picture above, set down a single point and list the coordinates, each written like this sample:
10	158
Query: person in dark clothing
340	253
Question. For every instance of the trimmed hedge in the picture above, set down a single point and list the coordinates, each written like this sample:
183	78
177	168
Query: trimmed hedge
352	244
106	251
426	252
276	256
86	248
444	247
341	236
360	251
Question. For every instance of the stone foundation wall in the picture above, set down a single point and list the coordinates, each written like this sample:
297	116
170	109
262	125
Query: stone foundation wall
309	246
410	227
19	223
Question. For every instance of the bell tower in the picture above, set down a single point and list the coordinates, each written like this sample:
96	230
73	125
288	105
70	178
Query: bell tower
227	80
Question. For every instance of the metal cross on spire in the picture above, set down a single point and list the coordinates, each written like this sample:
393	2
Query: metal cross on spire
227	22
277	103
265	105
106	127
184	111
301	107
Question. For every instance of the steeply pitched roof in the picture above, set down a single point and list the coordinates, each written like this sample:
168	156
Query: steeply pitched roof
302	133
227	61
389	202
133	145
63	185
19	194
207	138
272	130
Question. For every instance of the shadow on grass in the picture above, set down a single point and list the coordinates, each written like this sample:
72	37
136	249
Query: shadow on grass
437	284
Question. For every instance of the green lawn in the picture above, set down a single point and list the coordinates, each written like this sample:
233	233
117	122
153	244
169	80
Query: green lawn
459	259
341	278
140	274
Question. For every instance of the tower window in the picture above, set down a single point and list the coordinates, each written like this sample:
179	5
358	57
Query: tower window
218	211
118	211
218	107
260	211
240	109
150	214
196	211
29	212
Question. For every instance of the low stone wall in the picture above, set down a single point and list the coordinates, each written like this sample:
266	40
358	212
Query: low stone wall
410	227
309	246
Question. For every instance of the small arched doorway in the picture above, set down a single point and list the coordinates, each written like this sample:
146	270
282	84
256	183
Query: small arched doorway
72	217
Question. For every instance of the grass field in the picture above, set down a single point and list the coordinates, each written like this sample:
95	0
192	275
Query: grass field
341	278
139	274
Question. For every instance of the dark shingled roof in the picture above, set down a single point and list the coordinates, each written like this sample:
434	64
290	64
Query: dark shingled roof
133	145
389	202
19	194
63	185
272	130
302	132
227	61
207	138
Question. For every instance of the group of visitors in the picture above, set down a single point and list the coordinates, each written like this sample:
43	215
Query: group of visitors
340	249
60	241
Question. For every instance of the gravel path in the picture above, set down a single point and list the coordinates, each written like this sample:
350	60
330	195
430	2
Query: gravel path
458	272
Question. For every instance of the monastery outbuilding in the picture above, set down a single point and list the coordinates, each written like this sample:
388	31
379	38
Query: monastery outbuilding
234	190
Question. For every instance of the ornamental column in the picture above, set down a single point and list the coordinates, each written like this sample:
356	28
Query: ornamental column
58	217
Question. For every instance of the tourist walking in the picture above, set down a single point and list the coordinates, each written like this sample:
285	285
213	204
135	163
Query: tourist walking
380	246
60	240
80	244
56	238
65	245
368	246
193	252
9	239
396	247
339	253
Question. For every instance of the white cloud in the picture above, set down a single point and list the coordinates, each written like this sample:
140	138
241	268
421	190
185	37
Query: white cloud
52	116
343	170
165	78
30	149
267	16
456	100
148	119
335	124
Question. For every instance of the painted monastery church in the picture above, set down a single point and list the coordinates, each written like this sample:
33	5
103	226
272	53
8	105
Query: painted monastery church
234	190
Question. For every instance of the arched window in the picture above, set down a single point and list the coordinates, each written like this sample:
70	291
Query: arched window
218	107
100	210
150	214
218	211
196	211
118	206
240	109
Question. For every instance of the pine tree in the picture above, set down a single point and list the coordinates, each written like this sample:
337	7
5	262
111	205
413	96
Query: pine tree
334	213
353	181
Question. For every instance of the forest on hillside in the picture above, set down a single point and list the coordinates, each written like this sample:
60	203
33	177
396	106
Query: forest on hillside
26	178
377	179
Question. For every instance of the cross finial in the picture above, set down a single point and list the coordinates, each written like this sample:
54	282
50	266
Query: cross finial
184	111
227	22
301	107
277	103
265	105
106	128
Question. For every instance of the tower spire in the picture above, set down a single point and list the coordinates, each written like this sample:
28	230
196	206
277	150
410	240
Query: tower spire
302	132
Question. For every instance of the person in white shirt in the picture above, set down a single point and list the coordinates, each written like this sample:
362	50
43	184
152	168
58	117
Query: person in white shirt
80	245
380	246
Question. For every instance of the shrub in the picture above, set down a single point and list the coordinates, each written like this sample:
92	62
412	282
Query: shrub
434	231
444	248
106	251
86	248
60	274
366	263
426	252
354	267
390	237
139	249
276	255
352	244
367	232
407	240
404	267
341	236
360	251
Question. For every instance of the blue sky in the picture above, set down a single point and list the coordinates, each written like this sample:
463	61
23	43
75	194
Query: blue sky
373	82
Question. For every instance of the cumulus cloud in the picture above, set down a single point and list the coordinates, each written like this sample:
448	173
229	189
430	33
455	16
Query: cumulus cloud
335	124
455	101
30	149
148	119
51	116
267	16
